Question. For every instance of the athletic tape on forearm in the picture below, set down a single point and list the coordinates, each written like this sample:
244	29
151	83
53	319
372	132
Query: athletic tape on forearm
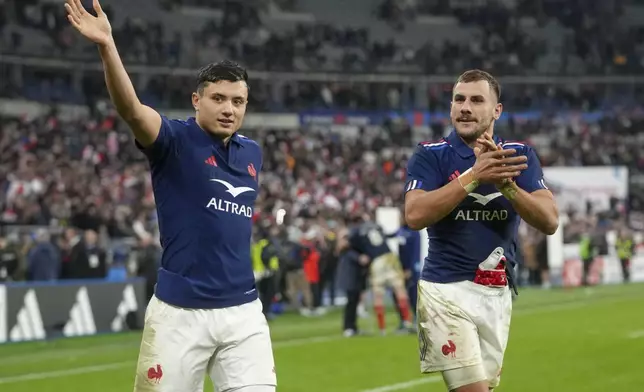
509	191
467	181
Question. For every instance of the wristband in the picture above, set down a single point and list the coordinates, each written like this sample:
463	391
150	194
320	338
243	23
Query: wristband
467	181
509	190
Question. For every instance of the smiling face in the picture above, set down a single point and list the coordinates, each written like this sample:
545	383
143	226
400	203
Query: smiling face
475	105
221	98
221	106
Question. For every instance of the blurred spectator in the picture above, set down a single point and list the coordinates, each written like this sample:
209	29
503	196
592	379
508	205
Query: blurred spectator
149	262
298	289
43	260
87	260
9	260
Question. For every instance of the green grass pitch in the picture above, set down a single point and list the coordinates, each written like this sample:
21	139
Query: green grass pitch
586	340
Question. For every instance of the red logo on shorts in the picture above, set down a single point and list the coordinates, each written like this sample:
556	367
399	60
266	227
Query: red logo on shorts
449	349
155	374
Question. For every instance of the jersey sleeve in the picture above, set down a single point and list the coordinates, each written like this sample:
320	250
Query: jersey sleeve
531	179
166	142
423	171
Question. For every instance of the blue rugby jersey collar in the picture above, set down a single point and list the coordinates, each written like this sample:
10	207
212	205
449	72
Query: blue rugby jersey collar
462	149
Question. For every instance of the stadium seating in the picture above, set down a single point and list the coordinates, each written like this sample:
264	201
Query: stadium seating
54	169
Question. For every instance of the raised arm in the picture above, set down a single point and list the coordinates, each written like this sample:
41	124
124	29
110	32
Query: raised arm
144	121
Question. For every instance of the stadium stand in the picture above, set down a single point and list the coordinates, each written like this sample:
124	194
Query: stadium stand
60	170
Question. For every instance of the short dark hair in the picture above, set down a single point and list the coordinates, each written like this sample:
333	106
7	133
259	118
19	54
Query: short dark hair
476	75
223	70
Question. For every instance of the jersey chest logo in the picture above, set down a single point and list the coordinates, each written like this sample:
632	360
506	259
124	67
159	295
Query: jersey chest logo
480	208
234	191
484	199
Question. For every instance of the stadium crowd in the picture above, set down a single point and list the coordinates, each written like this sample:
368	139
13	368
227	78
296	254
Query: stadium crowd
593	40
507	38
87	174
86	178
503	41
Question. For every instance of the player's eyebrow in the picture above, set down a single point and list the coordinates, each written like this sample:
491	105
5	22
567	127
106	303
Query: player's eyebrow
477	97
220	95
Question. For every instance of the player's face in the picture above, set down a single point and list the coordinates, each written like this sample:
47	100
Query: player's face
474	109
221	107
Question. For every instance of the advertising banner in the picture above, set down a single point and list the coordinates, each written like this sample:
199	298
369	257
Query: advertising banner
575	187
65	309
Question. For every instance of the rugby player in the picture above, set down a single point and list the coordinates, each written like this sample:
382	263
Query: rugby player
471	190
205	316
385	270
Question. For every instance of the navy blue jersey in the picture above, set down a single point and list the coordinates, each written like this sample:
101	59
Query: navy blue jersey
369	239
409	249
205	193
483	221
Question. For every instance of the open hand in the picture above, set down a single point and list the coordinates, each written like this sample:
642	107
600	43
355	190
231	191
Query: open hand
498	166
95	28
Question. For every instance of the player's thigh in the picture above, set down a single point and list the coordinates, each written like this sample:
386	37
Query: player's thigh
448	338
175	349
245	357
378	271
494	331
396	281
378	280
394	276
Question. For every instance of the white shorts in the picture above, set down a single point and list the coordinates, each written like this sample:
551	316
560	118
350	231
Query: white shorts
463	324
180	346
386	272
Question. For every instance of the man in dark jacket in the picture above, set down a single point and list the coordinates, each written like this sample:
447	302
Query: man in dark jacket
149	257
43	260
352	279
87	259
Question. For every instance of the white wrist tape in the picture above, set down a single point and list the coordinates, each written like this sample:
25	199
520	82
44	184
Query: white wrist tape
467	181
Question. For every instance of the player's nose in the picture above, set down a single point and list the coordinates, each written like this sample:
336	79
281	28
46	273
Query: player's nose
227	109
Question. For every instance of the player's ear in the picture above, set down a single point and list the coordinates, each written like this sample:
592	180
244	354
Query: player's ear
195	101
498	110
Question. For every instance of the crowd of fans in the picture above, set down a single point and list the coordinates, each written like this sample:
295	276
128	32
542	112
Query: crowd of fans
595	42
85	181
500	44
87	173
